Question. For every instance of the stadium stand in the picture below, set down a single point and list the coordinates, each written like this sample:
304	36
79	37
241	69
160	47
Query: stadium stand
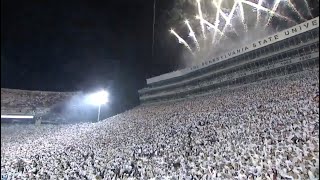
251	116
263	130
35	103
292	54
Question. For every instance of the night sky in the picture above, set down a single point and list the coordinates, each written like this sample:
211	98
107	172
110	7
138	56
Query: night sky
67	45
84	44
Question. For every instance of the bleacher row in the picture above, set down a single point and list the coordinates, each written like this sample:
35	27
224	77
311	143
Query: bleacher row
25	102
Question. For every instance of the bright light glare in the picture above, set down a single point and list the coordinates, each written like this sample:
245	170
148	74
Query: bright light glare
16	117
99	98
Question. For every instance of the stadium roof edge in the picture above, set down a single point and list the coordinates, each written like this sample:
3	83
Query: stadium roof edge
37	91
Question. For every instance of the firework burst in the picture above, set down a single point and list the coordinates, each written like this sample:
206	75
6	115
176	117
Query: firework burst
225	18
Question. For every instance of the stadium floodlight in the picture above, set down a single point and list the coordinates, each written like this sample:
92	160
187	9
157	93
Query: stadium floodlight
99	98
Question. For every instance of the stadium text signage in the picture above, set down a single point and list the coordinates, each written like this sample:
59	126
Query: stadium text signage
306	26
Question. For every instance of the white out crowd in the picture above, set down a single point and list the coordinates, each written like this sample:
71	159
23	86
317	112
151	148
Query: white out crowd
265	130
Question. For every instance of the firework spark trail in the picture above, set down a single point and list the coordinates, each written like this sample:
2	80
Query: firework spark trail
192	34
308	7
291	6
224	16
267	10
258	13
242	17
218	12
181	41
217	21
229	18
274	8
211	26
201	17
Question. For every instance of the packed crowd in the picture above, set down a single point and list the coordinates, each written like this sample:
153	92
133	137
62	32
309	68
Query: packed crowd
265	130
21	101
